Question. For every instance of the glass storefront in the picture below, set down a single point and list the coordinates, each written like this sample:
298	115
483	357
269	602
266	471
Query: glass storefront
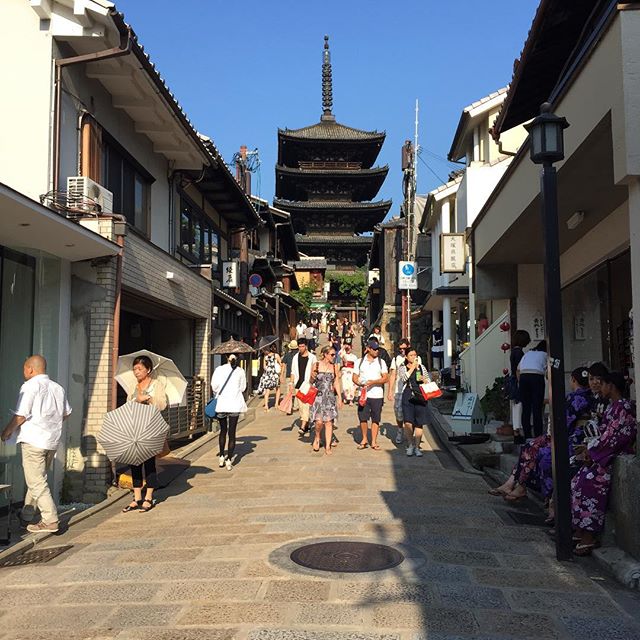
17	302
30	290
596	316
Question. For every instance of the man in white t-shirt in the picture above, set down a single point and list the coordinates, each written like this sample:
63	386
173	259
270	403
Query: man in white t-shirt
42	408
396	387
301	327
371	373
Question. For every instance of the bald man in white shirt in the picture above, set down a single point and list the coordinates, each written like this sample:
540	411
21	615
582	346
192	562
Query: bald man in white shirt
42	407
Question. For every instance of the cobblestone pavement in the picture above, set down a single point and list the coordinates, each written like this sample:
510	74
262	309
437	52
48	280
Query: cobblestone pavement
211	561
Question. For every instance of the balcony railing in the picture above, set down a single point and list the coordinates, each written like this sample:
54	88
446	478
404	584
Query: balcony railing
188	419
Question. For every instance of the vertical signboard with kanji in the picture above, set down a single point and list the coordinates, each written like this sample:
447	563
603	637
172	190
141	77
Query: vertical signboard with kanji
230	274
452	253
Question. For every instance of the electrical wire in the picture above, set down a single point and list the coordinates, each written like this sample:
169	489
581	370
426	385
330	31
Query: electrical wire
431	170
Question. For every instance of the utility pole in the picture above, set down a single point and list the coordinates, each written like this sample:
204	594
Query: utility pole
410	178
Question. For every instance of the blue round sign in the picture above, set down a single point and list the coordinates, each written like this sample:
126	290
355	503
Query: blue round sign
408	269
255	280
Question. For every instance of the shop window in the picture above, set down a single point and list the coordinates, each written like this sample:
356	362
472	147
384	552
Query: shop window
199	240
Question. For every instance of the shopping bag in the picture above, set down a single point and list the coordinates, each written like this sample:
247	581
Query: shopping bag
306	393
430	390
362	399
286	404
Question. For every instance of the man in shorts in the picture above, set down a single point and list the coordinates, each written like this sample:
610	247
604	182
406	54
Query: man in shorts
301	369
371	373
396	387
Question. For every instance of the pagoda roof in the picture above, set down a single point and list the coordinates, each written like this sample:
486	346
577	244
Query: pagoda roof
333	239
297	184
332	205
332	131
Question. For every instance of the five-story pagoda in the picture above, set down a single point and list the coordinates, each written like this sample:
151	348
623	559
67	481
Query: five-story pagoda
326	179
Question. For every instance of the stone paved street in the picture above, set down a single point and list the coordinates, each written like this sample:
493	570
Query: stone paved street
211	561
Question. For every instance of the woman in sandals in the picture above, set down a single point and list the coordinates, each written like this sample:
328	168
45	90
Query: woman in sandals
325	377
532	469
149	390
270	380
591	485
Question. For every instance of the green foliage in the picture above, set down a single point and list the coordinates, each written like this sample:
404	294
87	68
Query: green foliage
495	401
353	285
304	296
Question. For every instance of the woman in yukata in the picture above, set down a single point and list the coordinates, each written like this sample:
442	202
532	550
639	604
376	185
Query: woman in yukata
533	468
591	485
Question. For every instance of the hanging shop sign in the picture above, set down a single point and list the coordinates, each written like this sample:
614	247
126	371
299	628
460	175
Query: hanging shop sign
407	275
230	271
452	253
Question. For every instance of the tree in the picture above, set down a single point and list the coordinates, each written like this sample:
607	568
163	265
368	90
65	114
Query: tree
304	295
353	285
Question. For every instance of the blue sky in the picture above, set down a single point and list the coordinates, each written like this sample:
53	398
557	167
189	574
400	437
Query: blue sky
242	69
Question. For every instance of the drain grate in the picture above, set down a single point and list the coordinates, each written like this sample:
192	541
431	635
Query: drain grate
522	517
35	556
347	557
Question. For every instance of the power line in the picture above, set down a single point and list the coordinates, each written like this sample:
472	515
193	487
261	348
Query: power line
431	170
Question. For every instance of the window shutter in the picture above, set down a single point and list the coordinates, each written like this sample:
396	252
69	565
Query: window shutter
91	151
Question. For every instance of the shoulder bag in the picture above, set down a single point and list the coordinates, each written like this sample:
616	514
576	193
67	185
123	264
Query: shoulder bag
210	409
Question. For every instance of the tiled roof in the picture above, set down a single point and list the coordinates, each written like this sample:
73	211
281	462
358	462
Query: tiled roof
312	263
489	98
358	173
331	130
332	239
330	204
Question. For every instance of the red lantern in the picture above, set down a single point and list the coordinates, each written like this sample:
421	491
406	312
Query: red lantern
505	371
505	326
505	346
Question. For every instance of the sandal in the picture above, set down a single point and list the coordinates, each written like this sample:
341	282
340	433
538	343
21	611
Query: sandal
509	498
375	447
302	431
316	446
150	503
133	506
584	550
362	445
497	492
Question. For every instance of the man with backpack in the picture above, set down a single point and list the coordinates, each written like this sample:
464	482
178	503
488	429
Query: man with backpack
371	373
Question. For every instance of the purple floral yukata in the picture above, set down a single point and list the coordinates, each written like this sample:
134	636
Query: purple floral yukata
577	410
533	468
590	486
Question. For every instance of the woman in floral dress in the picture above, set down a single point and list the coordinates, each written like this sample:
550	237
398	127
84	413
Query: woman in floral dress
270	379
531	469
591	485
324	410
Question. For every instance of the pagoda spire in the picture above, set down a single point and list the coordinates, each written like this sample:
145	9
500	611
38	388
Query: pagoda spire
327	83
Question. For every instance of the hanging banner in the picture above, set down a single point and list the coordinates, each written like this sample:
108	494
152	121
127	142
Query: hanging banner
230	272
407	275
452	253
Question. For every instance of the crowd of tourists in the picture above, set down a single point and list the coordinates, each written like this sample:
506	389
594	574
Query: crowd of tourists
601	425
318	381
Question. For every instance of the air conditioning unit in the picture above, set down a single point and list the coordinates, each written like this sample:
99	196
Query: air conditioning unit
84	193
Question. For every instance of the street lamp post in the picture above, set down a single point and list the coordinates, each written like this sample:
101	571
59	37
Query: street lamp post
278	290
547	147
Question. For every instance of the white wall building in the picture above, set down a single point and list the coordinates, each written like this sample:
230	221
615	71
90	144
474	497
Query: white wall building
84	100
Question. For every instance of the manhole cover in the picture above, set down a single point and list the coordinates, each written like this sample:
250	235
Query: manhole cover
347	557
35	556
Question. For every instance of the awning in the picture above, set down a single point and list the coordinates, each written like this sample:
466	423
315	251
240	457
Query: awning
434	301
29	225
218	293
